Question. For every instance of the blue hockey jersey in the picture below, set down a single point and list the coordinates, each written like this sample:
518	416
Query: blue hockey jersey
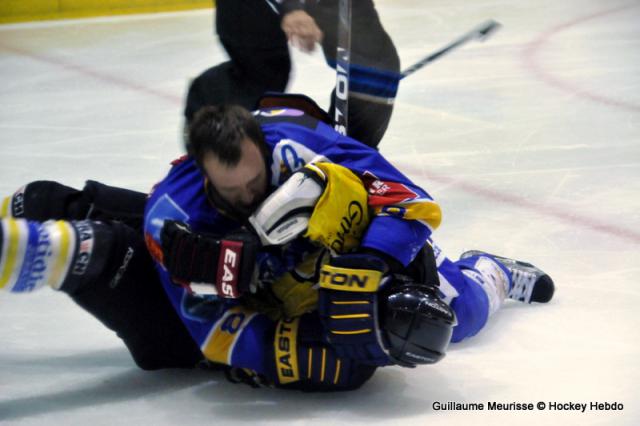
404	216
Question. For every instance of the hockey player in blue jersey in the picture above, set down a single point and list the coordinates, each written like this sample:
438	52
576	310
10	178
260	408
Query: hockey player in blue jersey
316	251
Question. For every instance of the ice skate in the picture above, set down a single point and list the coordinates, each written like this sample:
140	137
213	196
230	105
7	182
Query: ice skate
529	284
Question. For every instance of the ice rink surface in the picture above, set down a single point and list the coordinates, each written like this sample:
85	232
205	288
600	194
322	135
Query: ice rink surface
529	141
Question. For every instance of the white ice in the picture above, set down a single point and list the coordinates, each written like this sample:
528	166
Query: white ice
529	141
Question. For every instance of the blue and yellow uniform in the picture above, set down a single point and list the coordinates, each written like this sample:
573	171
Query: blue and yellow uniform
230	333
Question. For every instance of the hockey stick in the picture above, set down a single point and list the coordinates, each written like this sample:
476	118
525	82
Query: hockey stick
481	33
343	60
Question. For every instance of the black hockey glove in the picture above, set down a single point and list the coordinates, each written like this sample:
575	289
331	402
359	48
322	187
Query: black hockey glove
227	263
348	307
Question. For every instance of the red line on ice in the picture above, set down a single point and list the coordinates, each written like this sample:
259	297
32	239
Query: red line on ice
530	58
535	207
88	72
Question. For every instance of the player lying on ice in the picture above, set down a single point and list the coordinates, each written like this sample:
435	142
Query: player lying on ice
317	250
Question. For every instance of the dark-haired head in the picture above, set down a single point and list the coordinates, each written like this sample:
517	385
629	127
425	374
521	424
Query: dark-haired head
228	145
220	130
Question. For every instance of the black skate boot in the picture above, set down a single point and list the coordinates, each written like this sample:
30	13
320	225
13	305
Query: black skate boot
529	284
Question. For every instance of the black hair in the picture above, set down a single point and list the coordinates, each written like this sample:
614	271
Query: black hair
220	130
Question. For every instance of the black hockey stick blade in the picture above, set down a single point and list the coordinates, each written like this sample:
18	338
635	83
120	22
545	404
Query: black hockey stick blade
487	29
481	33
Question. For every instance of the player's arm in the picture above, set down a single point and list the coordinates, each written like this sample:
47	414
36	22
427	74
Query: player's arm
188	256
401	209
336	217
230	261
289	353
191	240
352	285
398	206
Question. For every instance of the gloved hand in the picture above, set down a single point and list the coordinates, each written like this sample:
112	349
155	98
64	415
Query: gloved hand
228	263
348	307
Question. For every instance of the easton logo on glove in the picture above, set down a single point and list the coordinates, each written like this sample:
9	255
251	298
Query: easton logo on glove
226	263
348	307
286	348
349	279
228	271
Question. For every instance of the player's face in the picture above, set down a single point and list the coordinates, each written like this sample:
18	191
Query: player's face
243	185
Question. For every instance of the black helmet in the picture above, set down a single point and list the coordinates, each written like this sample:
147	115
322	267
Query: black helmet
417	323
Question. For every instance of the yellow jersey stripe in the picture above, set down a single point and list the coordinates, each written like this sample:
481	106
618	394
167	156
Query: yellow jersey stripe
4	212
218	346
366	330
422	210
336	377
246	322
310	356
11	243
354	302
350	316
217	343
324	361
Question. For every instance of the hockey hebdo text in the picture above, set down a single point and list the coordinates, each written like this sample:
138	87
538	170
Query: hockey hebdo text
580	407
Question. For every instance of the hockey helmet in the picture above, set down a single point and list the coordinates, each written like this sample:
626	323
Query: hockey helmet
418	324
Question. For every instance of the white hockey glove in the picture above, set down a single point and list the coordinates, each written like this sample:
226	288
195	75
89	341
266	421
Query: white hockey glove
285	214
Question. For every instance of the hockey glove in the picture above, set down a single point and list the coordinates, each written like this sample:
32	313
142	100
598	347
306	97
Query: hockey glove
348	307
285	214
227	263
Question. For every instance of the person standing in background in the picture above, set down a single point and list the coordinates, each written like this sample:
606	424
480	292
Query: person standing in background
255	35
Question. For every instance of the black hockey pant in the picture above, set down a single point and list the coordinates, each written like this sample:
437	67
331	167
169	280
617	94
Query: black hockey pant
127	295
259	60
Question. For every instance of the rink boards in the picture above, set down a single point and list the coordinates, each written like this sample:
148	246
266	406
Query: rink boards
37	10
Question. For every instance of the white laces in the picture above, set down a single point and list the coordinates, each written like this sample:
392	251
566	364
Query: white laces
523	282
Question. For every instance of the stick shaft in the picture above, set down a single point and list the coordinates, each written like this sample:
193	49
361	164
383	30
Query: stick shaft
477	33
343	61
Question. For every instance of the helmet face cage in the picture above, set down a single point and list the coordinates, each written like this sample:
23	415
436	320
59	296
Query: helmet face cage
417	324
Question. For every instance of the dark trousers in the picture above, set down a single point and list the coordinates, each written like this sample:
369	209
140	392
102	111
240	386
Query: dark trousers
249	30
129	299
124	292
